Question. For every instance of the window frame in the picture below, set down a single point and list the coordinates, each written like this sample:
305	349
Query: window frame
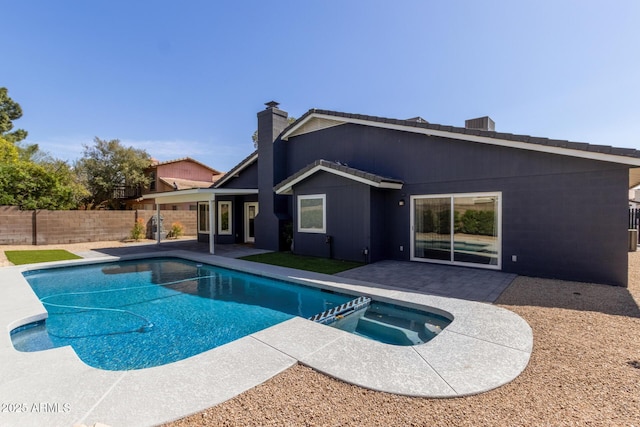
229	230
302	197
452	197
203	209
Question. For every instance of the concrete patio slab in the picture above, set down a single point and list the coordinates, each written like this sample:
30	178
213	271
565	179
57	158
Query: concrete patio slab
189	385
377	366
494	365
472	284
298	337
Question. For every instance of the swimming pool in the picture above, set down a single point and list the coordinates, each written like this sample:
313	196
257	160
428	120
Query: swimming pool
139	314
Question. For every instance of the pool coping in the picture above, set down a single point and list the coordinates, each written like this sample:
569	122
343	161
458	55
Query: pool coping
483	348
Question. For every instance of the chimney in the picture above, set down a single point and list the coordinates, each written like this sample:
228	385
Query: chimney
481	123
271	170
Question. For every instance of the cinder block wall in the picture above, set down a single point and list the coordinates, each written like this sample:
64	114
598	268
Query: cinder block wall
16	226
44	227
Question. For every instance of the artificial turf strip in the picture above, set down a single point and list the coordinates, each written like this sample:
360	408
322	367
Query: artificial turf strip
35	256
319	265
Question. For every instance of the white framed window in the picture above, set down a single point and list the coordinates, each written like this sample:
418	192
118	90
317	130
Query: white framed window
224	217
312	213
203	218
460	229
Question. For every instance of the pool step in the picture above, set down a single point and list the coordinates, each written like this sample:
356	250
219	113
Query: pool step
394	334
329	316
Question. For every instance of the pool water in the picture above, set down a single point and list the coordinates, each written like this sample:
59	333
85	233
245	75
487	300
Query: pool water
392	324
133	315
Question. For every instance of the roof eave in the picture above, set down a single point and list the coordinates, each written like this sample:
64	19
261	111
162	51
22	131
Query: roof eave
287	189
471	137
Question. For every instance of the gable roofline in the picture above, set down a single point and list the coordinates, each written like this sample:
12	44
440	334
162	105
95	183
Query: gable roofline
627	156
378	181
187	159
244	163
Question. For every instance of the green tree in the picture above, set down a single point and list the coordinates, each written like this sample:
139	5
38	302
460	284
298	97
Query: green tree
108	167
29	178
10	111
8	152
30	185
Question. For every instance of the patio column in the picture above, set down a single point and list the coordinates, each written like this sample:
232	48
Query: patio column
212	226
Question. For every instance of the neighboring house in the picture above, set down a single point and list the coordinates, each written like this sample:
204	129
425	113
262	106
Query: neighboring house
368	188
172	175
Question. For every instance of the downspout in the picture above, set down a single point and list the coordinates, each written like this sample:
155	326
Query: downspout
212	226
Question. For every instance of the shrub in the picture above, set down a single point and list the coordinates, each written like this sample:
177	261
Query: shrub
138	230
177	229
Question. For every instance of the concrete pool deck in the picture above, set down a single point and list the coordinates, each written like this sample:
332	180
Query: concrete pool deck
483	348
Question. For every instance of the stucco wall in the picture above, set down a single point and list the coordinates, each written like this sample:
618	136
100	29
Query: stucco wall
562	217
348	222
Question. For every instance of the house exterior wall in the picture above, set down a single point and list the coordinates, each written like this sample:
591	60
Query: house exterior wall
237	224
348	222
184	169
247	178
546	223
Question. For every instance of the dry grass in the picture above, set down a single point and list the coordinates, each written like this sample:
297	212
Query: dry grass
584	371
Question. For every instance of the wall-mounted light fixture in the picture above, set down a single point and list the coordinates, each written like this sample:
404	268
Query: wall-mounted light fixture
401	202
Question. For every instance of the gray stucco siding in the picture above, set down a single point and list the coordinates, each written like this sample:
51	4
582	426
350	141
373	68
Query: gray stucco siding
247	178
348	218
563	217
567	226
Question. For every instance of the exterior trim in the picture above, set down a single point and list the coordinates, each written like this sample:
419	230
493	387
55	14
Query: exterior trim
286	186
301	197
229	231
196	194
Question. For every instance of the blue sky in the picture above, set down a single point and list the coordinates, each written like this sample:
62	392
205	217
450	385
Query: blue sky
187	78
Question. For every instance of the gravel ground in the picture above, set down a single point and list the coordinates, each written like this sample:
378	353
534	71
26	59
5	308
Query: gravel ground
584	371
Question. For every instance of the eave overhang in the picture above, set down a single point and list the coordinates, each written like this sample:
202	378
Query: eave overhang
196	195
377	181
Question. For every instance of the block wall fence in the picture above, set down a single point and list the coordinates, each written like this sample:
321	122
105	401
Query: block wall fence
44	227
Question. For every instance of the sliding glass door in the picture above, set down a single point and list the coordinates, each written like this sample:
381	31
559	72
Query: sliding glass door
432	228
459	229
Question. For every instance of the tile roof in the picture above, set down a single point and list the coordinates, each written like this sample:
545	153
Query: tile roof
604	149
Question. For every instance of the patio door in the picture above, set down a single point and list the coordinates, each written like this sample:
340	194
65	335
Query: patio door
460	229
250	212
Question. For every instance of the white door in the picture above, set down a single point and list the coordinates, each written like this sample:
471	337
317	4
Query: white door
250	212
